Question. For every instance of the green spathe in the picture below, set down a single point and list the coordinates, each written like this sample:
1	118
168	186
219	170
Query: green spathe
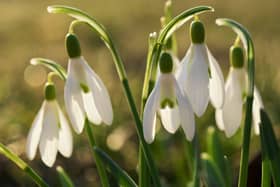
166	63
50	91
236	56
72	45
197	32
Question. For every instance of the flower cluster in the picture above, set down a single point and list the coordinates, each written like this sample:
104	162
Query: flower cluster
197	79
85	96
182	90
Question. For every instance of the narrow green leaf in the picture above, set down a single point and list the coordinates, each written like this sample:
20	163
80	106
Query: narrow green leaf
121	176
52	65
22	165
65	180
211	172
270	146
214	149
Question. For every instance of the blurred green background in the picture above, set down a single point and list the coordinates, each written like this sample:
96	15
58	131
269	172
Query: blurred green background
27	31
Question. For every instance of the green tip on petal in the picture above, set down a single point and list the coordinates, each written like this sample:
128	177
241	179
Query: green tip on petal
50	91
166	63
197	32
236	56
73	45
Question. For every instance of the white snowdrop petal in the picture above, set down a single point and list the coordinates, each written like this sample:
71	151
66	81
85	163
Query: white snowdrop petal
232	109
219	119
216	83
49	139
197	83
182	70
34	134
150	110
65	139
100	94
257	106
170	118
73	101
90	108
186	114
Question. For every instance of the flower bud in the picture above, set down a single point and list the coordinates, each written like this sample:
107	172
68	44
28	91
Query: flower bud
197	32
72	45
50	91
166	63
236	57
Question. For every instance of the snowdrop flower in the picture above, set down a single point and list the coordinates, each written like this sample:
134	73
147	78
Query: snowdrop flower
84	93
168	100
50	131
199	73
229	117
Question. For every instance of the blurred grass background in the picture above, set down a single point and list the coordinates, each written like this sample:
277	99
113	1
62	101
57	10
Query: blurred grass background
27	31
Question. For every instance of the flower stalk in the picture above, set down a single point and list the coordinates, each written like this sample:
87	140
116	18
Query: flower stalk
100	166
248	44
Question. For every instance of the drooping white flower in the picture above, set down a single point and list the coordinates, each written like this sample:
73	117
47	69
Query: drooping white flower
230	116
85	94
168	100
50	131
199	74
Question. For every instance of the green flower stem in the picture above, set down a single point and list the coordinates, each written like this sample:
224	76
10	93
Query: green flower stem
98	162
248	44
144	175
103	34
196	168
22	165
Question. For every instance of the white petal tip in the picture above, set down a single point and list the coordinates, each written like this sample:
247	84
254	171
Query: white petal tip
48	163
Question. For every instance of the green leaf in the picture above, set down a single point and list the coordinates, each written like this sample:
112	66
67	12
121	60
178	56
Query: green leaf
121	176
65	180
214	149
22	165
52	65
211	172
270	147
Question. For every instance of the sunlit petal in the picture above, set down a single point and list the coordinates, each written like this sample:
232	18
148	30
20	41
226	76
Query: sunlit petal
65	139
257	106
73	101
49	139
170	118
216	83
232	109
100	94
90	108
35	133
150	110
197	82
186	113
182	70
219	119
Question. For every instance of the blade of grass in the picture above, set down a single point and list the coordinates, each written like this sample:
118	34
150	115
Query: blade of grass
22	165
121	176
271	147
65	180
